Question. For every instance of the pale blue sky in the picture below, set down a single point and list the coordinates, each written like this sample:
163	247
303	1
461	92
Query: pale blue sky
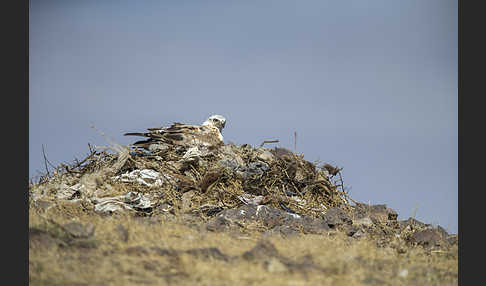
370	86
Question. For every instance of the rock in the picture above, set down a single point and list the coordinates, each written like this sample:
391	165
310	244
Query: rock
164	251
411	222
262	250
428	238
336	216
218	224
377	213
78	230
207	253
278	221
350	230
41	239
314	225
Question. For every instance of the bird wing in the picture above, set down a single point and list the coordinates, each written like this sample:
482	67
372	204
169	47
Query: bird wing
178	134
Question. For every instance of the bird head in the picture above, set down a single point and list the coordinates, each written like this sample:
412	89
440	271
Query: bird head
217	121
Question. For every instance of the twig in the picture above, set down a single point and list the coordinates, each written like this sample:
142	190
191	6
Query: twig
93	152
45	160
341	179
269	141
295	141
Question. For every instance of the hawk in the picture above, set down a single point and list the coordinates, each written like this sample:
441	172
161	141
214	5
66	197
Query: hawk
208	134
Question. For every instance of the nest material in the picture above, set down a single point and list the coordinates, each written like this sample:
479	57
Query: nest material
217	177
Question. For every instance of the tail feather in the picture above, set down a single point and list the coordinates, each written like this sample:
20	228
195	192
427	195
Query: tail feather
136	134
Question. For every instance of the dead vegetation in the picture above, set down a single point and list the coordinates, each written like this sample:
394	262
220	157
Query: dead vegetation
231	214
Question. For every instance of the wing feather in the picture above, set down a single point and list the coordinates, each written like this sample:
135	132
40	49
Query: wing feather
179	134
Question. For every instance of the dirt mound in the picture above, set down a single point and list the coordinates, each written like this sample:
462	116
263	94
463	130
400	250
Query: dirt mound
271	189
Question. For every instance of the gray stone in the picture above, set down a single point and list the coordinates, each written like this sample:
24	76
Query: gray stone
336	216
79	230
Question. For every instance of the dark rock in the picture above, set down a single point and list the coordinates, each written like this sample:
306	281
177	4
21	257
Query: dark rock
218	224
42	239
314	225
164	251
411	222
350	230
137	250
246	212
207	253
263	249
427	238
336	216
377	213
272	217
277	220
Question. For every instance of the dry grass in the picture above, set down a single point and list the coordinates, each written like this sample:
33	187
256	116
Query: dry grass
177	249
301	260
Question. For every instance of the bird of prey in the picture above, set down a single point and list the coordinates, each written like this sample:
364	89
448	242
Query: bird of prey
208	134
